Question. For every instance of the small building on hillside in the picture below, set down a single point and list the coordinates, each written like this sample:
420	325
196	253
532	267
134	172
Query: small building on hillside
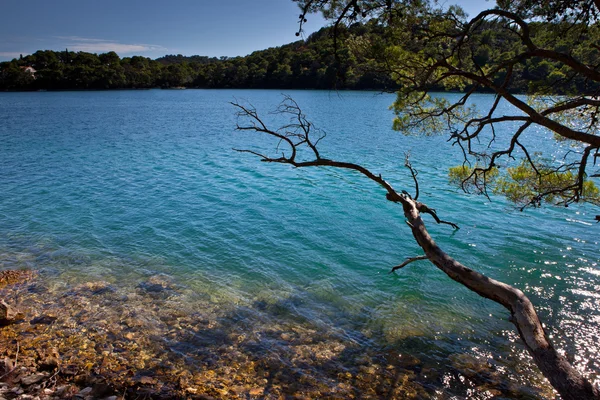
30	70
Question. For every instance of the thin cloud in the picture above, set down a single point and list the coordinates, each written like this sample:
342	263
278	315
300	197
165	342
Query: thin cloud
12	54
92	45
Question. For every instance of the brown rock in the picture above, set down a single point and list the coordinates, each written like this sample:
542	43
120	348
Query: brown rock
84	392
43	319
31	379
147	380
4	310
49	363
11	277
98	287
7	313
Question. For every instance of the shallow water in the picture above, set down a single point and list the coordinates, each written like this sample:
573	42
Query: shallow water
122	186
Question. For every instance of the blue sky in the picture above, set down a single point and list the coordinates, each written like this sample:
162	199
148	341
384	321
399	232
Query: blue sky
153	28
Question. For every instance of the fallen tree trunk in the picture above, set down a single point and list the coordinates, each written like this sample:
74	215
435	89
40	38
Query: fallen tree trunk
569	382
555	367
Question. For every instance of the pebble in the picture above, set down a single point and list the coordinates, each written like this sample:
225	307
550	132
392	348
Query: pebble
17	390
172	349
61	389
31	379
43	319
369	370
84	392
11	277
7	313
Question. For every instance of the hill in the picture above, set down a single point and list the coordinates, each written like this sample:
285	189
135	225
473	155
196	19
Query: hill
310	64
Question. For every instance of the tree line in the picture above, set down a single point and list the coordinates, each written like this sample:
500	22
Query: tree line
327	59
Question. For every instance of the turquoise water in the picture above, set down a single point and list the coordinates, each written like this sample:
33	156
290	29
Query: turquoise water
122	185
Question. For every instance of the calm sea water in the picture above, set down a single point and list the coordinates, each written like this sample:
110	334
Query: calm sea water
121	185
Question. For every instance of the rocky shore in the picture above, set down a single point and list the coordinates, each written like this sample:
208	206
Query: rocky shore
96	340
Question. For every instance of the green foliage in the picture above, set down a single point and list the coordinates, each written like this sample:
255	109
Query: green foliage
310	64
524	185
356	63
472	179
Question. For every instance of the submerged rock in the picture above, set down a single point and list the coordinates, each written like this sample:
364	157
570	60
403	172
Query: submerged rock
14	276
43	320
97	287
8	314
158	287
34	378
149	340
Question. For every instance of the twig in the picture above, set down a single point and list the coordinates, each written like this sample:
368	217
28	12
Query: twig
289	106
426	210
408	261
53	377
14	366
413	172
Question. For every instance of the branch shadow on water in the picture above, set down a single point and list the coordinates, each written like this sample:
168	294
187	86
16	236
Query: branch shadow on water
282	352
155	340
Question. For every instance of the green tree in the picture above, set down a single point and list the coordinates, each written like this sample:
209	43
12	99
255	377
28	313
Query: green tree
14	77
427	48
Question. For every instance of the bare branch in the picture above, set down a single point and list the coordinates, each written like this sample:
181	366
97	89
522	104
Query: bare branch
289	106
14	364
424	209
408	261
556	367
413	172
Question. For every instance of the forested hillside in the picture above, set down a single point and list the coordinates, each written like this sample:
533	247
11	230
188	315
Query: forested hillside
310	64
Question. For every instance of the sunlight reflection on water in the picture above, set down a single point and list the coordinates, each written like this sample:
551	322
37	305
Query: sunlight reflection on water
123	186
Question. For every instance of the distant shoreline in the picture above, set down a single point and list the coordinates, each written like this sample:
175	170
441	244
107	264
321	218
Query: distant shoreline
390	91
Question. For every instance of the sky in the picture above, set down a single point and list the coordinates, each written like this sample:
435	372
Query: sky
153	28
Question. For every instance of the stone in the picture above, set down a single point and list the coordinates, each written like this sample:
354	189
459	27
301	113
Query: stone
43	320
157	284
84	392
100	390
147	380
98	287
49	363
17	390
11	277
7	313
31	379
256	391
4	310
61	390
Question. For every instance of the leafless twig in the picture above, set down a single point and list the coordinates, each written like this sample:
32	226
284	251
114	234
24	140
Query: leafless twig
408	261
15	363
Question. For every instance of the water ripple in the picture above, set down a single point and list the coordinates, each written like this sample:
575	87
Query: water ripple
122	186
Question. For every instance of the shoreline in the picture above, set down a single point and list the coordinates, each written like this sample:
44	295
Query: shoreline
97	340
170	88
